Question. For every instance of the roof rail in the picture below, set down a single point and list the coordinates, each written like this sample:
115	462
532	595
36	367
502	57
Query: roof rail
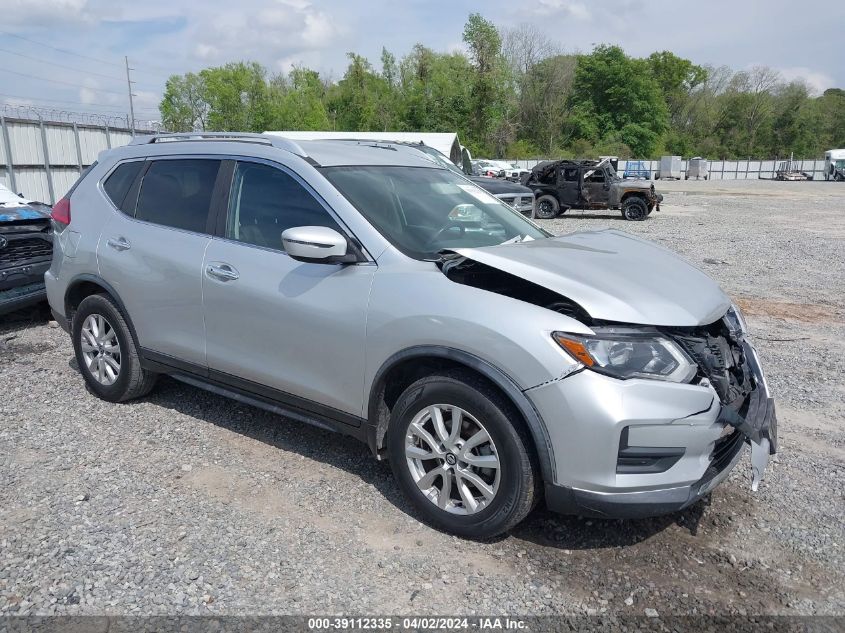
237	137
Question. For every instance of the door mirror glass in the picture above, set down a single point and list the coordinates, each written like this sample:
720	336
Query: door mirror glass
317	244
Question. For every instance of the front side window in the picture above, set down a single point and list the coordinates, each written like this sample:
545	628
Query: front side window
265	201
596	176
178	193
423	210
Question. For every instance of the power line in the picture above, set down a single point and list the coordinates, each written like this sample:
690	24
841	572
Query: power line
44	61
80	70
61	50
57	81
93	59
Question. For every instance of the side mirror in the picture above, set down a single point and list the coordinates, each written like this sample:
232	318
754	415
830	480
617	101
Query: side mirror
317	245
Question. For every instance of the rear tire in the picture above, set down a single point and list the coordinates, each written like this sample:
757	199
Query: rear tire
634	209
106	353
442	487
547	207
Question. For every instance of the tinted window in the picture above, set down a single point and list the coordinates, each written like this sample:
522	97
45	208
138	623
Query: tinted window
177	193
117	184
265	201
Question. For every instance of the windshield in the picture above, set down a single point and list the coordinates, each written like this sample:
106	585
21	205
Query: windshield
422	211
840	164
438	158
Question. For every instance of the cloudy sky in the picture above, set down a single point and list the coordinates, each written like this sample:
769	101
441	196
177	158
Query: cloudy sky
68	54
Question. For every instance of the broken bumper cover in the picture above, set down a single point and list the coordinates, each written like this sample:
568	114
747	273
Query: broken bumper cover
640	504
21	297
754	423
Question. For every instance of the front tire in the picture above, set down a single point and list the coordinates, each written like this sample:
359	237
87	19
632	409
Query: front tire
106	353
547	207
461	455
634	209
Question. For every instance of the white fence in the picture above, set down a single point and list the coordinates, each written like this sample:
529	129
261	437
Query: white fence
724	169
42	159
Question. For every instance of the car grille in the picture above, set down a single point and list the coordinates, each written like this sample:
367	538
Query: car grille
720	358
18	251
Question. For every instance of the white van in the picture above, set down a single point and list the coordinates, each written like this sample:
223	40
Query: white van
834	164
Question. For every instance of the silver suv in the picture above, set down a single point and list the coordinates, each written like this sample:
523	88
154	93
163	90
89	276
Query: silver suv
360	287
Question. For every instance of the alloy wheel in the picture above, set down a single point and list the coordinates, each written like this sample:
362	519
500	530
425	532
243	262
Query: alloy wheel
100	349
452	459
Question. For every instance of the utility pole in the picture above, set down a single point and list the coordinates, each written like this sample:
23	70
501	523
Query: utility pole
129	83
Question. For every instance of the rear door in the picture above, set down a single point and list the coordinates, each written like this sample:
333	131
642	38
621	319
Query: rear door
151	252
278	327
567	186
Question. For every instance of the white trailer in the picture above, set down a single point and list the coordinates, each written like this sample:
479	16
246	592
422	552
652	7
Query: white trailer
834	164
670	167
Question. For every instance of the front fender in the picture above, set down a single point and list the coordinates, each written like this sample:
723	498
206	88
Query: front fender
536	425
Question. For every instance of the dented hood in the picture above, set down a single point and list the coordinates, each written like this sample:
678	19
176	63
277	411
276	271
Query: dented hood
614	276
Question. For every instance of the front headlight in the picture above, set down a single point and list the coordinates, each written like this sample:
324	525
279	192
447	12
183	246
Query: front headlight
736	321
624	353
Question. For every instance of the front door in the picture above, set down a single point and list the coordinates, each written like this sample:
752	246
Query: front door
278	327
152	250
595	190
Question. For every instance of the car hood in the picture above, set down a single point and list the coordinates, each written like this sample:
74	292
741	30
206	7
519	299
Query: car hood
33	211
614	276
633	184
498	186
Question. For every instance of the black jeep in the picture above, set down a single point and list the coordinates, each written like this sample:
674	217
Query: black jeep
587	184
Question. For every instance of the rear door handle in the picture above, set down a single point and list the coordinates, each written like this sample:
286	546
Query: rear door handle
221	271
119	243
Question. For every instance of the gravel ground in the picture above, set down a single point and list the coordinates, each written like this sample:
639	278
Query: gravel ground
185	502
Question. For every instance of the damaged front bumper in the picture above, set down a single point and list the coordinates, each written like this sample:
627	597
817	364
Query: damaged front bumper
695	442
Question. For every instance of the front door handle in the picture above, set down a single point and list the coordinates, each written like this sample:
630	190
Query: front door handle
222	272
119	243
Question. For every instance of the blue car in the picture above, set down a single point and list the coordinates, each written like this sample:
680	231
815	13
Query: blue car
636	169
26	250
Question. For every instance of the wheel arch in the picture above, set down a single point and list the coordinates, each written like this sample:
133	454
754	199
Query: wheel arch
407	366
85	285
638	194
547	191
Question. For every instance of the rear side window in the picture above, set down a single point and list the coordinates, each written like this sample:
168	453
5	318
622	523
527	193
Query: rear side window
118	183
178	193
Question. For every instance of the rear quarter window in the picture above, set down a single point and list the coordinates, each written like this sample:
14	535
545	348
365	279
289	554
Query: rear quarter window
119	181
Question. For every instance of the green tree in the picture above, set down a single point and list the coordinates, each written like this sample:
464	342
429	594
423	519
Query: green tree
434	92
183	107
237	97
615	96
488	103
361	101
297	101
